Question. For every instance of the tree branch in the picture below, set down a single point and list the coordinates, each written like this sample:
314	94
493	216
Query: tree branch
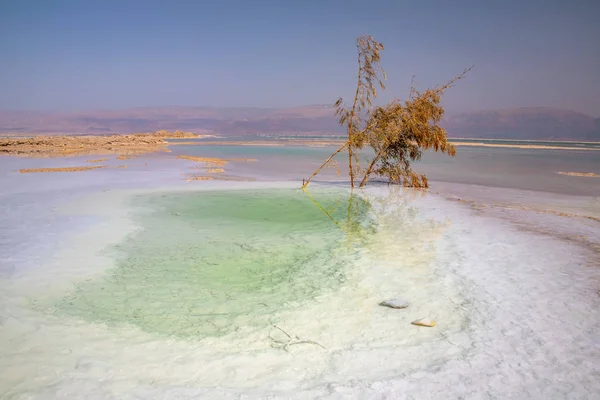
351	124
365	178
342	147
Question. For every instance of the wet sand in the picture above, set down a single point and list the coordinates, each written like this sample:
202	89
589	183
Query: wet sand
59	169
207	161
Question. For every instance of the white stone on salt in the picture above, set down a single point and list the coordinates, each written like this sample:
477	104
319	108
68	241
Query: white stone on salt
394	303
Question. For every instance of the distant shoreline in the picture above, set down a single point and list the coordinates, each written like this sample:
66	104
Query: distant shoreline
581	174
71	145
523	140
523	146
298	141
63	146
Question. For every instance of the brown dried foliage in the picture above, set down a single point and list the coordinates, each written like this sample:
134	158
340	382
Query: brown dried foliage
397	132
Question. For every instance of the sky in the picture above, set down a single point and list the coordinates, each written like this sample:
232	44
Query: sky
85	54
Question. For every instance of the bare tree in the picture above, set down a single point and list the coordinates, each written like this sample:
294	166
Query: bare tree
397	132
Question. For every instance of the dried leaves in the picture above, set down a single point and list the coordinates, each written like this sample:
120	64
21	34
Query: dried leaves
397	132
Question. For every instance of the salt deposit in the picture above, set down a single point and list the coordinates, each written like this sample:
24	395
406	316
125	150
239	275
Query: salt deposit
516	310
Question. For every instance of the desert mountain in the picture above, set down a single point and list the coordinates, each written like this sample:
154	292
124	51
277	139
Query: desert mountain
518	123
525	123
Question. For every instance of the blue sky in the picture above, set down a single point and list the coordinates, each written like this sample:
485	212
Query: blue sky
76	55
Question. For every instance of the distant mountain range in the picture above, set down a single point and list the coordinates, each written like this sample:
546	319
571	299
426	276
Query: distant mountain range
535	123
518	123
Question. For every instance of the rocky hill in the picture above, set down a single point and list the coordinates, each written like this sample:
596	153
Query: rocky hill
518	123
525	123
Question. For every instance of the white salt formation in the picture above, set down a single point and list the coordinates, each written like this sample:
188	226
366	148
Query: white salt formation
519	307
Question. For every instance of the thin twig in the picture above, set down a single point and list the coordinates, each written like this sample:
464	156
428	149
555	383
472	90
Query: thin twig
292	341
321	208
366	177
286	334
325	163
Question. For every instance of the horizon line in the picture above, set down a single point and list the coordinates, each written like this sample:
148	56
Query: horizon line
323	105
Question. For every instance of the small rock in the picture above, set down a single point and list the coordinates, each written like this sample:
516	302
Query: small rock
394	303
424	322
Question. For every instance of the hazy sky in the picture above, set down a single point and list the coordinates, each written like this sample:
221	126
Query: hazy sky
85	54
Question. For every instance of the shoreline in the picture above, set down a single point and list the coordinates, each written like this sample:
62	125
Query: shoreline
68	146
474	139
146	143
479	320
580	174
521	146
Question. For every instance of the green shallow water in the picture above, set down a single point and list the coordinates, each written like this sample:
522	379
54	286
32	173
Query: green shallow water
213	262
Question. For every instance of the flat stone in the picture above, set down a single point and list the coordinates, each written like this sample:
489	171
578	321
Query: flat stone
394	303
424	322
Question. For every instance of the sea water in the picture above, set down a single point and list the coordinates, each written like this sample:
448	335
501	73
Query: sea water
211	263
